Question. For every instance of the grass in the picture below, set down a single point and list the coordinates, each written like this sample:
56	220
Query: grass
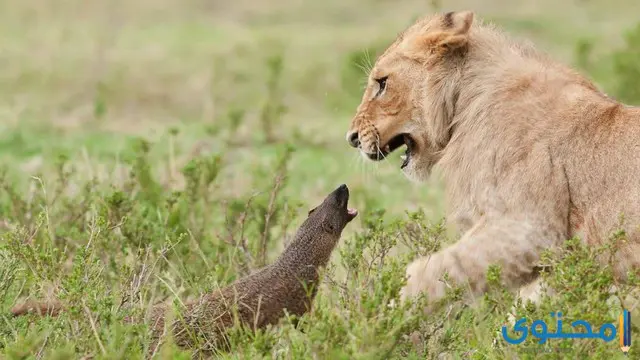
136	135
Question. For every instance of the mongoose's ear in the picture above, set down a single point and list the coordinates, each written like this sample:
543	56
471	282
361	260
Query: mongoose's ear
311	211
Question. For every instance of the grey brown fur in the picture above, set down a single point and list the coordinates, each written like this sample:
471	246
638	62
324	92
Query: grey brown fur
261	298
51	308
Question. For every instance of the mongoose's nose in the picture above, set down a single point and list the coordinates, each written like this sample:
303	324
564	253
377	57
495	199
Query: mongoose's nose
341	194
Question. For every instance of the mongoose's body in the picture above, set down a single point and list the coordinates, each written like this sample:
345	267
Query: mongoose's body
261	298
258	300
51	308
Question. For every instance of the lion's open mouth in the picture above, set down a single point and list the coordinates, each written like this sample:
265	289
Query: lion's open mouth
395	143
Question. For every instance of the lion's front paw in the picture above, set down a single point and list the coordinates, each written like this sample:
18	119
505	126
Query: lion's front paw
416	279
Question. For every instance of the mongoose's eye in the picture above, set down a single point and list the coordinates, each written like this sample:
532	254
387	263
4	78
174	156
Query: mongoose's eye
382	84
328	226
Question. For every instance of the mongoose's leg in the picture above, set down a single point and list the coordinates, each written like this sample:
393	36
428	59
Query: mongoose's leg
513	244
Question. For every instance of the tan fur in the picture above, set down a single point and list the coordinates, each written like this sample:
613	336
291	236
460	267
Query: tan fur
532	153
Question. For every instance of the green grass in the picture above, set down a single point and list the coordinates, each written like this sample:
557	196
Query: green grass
134	134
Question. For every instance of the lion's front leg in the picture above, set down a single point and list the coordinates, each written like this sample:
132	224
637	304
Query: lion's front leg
513	244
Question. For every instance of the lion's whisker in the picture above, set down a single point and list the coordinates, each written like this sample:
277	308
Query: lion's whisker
368	63
363	68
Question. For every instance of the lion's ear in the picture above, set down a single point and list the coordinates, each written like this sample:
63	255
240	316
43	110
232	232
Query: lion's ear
458	23
456	27
452	32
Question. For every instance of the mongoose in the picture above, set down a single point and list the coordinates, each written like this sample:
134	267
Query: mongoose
51	308
261	298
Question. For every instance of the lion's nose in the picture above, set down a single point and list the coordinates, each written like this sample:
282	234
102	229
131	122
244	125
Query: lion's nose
353	140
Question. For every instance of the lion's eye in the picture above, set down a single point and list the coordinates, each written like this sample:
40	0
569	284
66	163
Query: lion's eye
382	82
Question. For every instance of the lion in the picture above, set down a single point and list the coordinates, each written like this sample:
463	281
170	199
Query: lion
530	151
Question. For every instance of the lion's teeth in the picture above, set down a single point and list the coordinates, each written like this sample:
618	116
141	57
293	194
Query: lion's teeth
403	157
387	148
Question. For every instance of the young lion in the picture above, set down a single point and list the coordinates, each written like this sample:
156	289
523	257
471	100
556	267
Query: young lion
532	153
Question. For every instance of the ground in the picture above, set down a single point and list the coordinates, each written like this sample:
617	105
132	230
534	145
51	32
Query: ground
223	93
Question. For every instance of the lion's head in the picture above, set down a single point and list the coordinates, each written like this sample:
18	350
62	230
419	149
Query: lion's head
410	94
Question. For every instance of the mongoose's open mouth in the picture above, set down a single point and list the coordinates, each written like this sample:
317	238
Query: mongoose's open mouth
342	196
352	213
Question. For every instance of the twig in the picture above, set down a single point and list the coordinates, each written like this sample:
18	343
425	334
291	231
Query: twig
197	246
240	243
262	256
243	218
93	327
175	294
46	208
44	343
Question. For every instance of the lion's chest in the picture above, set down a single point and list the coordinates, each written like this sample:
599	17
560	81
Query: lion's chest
469	204
466	214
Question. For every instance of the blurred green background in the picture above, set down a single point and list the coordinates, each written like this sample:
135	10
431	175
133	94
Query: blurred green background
242	78
135	134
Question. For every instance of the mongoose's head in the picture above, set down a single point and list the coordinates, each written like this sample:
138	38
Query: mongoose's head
320	231
333	214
